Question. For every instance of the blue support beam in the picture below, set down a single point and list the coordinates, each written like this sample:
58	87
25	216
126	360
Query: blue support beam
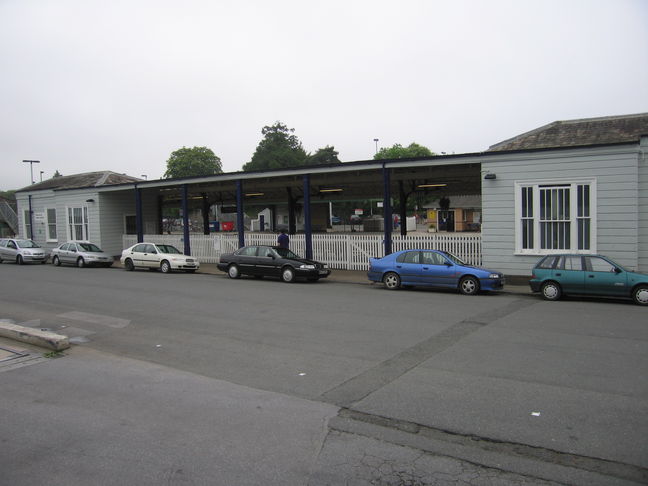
308	232
139	227
387	210
239	213
185	219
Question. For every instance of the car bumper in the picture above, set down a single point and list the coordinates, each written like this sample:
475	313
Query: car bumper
309	273
34	258
374	276
186	266
222	266
535	285
492	284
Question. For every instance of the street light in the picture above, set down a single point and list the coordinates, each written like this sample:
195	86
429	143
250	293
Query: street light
376	140
42	172
31	167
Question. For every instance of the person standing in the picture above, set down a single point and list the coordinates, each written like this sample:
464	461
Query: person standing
283	240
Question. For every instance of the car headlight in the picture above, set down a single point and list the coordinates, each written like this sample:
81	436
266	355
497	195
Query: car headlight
28	252
494	275
307	267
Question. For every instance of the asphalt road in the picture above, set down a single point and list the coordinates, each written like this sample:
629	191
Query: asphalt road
506	388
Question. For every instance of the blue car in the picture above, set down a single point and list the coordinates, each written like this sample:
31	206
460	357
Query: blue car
432	268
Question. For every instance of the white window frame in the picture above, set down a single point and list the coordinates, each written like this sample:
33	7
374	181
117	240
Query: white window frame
48	225
574	217
85	223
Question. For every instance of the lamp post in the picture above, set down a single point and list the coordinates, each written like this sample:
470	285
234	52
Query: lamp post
376	140
42	172
31	167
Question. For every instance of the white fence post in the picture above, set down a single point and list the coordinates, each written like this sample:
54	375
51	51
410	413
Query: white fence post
342	251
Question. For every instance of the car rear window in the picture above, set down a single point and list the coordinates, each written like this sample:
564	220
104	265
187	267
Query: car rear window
548	262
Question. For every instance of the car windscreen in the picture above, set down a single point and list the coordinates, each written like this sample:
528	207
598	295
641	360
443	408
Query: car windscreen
453	258
90	247
286	253
168	249
26	244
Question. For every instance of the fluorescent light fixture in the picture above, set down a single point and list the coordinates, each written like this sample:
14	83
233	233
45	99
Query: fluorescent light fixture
338	189
252	194
431	185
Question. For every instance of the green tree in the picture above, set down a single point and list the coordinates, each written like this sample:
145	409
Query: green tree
57	174
279	148
397	151
326	155
196	161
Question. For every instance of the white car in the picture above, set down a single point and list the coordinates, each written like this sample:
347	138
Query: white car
157	256
81	254
21	251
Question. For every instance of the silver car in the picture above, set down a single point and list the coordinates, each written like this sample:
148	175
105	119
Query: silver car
81	254
21	251
156	256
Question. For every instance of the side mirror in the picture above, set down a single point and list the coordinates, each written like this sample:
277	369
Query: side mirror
448	264
617	270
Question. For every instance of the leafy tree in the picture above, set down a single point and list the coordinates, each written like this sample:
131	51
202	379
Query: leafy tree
397	151
57	174
9	195
196	161
326	155
278	148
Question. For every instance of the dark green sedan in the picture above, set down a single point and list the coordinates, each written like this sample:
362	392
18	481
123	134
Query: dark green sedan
558	275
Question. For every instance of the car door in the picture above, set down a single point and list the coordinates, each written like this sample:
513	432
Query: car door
436	270
137	255
604	278
10	251
3	249
64	253
266	262
569	274
246	259
150	258
408	266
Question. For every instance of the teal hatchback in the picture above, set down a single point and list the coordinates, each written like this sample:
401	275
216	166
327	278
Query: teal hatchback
558	275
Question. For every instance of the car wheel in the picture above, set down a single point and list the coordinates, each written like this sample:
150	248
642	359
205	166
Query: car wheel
165	267
469	285
551	291
19	260
128	265
392	281
56	262
80	262
233	271
287	275
640	295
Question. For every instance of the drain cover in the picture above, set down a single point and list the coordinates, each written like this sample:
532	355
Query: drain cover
7	353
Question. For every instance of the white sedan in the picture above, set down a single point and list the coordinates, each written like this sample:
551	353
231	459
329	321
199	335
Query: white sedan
157	256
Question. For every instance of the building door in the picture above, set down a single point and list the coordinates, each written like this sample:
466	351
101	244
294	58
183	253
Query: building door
446	220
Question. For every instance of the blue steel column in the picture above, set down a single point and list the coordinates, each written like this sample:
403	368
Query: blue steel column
185	219
139	227
387	210
308	234
239	213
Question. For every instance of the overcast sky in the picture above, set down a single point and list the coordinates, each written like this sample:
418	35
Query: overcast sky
90	85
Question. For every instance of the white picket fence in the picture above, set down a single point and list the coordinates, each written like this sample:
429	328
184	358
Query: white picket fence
342	251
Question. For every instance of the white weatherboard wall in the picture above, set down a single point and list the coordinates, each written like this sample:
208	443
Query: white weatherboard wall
616	172
643	204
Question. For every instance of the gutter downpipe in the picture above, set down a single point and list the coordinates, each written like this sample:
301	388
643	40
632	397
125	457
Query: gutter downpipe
31	223
185	219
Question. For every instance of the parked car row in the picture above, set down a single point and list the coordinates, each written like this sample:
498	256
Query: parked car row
554	276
